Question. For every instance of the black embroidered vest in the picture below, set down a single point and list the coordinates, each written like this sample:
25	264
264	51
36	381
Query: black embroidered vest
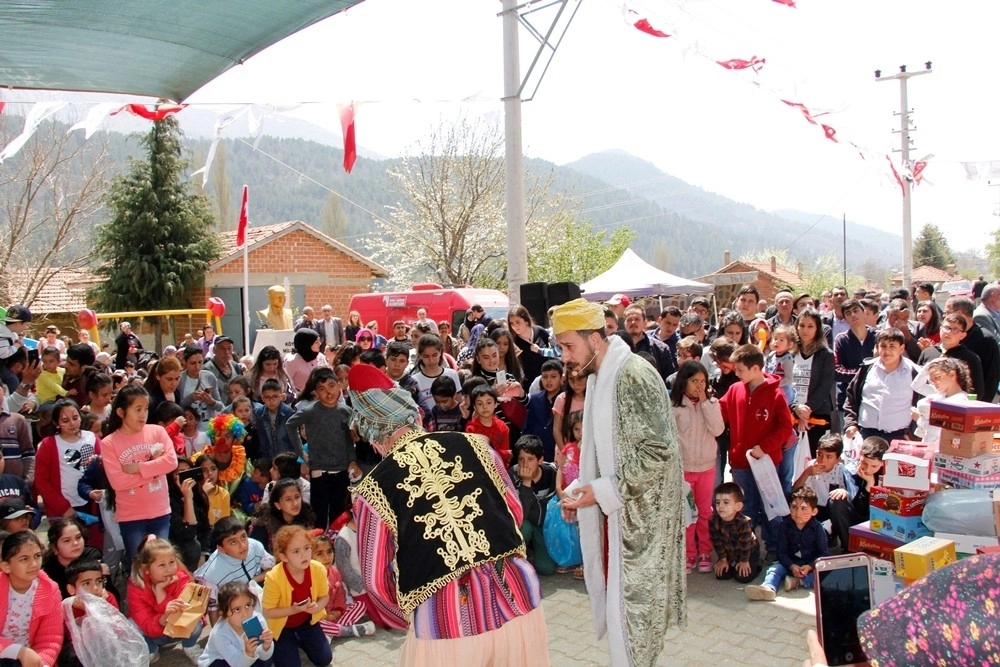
443	499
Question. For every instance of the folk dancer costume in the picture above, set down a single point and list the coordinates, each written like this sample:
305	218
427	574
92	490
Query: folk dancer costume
438	539
633	538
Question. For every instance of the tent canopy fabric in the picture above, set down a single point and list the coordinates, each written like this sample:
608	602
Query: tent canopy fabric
160	49
634	278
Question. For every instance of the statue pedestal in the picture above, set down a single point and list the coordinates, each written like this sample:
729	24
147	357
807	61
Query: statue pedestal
280	338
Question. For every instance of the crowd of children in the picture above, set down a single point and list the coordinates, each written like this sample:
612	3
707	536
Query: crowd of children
170	472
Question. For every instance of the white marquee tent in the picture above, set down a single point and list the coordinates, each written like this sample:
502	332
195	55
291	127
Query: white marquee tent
634	278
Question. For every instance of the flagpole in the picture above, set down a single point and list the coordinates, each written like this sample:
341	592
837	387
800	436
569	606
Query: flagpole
246	276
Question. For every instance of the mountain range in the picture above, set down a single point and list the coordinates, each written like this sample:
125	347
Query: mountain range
679	227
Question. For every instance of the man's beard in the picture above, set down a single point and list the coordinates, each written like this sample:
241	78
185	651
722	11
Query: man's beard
576	370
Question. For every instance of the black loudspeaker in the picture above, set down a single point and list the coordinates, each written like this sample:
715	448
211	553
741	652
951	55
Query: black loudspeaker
534	298
560	293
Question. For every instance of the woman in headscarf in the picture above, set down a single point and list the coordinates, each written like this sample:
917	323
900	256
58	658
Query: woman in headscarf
468	353
306	358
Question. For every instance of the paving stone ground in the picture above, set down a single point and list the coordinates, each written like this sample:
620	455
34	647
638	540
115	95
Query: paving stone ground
724	628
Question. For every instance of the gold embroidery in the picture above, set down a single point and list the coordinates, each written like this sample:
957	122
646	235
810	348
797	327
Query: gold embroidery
451	519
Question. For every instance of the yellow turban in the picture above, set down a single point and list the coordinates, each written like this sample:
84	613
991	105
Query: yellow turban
576	315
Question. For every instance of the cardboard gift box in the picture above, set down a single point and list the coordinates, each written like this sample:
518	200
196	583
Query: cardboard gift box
965	445
862	538
962	480
898	501
988	550
908	465
922	556
905	528
982	465
967	545
885	583
968	417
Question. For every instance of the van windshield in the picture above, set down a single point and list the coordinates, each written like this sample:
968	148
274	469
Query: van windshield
496	312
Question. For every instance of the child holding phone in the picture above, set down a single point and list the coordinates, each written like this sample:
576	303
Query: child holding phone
242	639
296	592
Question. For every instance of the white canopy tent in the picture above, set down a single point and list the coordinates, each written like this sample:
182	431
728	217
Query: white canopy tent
634	278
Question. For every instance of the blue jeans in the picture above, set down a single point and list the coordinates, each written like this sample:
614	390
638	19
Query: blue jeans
309	638
154	644
776	574
753	506
134	533
786	468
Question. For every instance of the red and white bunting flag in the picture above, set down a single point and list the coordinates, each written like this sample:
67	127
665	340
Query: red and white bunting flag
918	171
786	3
96	115
241	230
895	174
347	112
39	112
830	133
640	22
2	105
801	107
157	113
755	63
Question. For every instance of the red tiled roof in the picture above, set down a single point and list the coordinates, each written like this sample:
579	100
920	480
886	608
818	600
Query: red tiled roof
779	275
258	236
65	292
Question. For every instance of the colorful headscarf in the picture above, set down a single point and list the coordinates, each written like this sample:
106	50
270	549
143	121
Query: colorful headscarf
380	405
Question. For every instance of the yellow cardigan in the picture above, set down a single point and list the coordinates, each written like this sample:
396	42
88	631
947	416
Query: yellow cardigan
278	593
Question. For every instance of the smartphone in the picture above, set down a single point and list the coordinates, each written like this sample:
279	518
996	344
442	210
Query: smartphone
501	377
33	357
843	593
197	474
253	628
302	603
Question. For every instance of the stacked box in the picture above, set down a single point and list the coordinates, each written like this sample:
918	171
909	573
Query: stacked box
968	545
921	557
908	465
982	465
897	513
885	583
961	480
968	417
862	538
965	445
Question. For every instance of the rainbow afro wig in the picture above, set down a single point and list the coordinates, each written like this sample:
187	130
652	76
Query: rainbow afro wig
223	425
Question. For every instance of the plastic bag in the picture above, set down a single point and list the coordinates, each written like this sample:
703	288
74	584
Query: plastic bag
562	540
772	495
690	508
103	637
962	511
800	456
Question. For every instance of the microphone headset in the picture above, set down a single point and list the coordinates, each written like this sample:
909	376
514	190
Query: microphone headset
576	373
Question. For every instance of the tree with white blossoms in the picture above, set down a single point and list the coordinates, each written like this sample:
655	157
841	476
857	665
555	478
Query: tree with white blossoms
448	225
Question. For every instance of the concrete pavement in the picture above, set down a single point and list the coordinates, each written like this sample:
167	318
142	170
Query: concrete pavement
724	628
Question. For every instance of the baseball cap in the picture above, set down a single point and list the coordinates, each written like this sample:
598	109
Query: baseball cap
13	508
18	313
222	339
619	300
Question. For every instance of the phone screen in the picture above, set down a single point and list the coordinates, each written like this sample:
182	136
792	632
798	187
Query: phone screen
33	357
844	594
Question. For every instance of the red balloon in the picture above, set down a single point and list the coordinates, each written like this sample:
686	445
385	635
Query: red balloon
217	306
86	318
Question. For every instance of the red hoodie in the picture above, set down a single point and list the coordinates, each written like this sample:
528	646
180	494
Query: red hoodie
755	418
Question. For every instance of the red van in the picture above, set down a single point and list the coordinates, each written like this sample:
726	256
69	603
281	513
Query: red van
442	303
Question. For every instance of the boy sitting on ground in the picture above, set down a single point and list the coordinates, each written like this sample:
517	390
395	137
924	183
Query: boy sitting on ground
535	481
801	540
733	537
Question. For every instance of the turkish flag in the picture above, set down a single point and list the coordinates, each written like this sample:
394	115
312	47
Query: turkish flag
350	145
645	26
241	231
156	113
2	105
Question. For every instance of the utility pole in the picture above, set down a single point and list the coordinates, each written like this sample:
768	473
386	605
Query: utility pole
517	237
904	131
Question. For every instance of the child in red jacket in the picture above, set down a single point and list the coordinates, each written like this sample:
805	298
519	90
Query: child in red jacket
759	422
485	422
170	416
34	614
154	591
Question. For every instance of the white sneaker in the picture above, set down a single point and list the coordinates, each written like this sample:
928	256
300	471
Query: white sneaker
192	653
366	629
153	657
760	593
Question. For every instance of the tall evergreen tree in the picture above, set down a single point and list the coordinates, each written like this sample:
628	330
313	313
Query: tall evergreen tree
931	248
159	242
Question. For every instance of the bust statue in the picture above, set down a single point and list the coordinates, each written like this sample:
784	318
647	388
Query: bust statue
276	315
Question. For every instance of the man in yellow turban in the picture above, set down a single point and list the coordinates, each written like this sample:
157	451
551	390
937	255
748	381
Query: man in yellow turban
633	493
